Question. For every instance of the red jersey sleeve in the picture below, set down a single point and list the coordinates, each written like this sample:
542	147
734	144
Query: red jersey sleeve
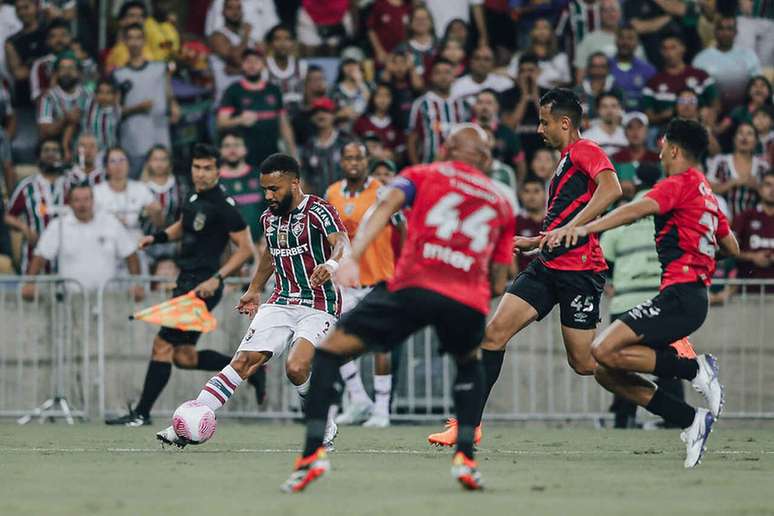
724	228
666	193
590	158
503	250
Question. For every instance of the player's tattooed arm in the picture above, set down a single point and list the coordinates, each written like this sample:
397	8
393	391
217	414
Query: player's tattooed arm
340	243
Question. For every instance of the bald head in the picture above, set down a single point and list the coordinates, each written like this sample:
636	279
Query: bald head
469	143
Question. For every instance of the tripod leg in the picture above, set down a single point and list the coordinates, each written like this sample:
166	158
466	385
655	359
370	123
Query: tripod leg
66	411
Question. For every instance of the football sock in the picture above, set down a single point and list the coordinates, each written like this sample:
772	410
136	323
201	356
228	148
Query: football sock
209	360
156	379
382	391
350	372
492	362
669	365
325	371
671	409
219	389
303	389
468	397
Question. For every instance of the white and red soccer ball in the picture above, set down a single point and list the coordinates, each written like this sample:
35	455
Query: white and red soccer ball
194	421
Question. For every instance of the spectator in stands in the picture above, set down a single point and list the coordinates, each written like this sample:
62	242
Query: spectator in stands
601	40
148	105
259	15
350	93
754	228
607	131
736	176
529	220
133	12
503	174
386	26
653	24
598	81
315	87
102	116
730	66
405	82
500	27
321	155
9	25
323	25
23	48
756	29
420	46
687	106
254	107
160	32
87	167
285	69
660	93
228	41
60	109
763	121
521	104
126	199
444	11
58	9
481	77
87	246
382	119
425	137
628	159
507	144
58	39
554	64
579	17
543	164
453	51
757	94
242	182
38	197
6	262
7	132
630	73
169	195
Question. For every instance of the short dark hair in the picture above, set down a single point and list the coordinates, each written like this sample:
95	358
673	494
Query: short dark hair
105	81
50	139
57	23
132	4
529	57
134	26
111	150
604	95
441	61
532	178
280	163
78	185
564	102
205	151
274	30
235	133
628	27
491	92
689	135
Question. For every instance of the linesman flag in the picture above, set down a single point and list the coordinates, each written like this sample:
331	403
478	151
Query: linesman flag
186	313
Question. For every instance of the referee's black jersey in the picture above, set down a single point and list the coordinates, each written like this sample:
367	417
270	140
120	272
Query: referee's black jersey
208	218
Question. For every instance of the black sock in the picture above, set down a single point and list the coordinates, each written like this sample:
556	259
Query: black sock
669	365
155	380
493	363
325	372
468	397
671	409
209	360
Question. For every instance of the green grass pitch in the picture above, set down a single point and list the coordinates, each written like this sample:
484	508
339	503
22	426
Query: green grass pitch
53	469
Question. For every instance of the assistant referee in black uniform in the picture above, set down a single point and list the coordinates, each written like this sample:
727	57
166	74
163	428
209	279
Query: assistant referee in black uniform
209	220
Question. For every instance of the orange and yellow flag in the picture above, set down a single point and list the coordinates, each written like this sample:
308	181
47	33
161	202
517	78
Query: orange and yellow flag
186	313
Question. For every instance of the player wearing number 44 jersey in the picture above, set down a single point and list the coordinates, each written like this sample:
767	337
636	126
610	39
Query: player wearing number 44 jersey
305	240
689	227
457	254
583	186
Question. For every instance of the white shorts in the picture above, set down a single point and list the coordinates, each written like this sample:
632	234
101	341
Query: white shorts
351	296
277	327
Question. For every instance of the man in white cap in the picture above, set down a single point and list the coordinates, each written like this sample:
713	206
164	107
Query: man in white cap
627	160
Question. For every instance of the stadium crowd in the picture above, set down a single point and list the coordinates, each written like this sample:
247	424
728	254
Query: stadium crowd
308	76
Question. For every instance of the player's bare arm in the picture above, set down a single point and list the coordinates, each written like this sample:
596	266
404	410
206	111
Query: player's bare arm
251	299
244	250
172	233
729	245
608	191
620	216
498	278
324	272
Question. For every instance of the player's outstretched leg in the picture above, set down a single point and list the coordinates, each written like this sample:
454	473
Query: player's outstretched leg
468	396
360	405
382	392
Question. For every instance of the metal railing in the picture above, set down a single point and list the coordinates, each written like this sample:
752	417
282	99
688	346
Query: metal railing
536	382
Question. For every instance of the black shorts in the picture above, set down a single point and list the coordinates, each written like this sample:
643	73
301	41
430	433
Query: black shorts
676	312
576	292
384	319
186	282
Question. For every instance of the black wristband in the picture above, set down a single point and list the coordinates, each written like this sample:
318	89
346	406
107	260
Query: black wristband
160	237
218	276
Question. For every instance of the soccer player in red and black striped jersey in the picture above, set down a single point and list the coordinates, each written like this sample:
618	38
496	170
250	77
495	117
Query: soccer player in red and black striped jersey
305	240
584	185
689	227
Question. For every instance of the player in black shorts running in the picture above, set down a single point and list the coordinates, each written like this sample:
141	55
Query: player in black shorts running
208	222
584	185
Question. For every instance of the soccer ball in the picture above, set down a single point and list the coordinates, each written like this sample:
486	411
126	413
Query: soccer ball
194	421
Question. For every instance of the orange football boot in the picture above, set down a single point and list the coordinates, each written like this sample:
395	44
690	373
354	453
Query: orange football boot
465	471
449	436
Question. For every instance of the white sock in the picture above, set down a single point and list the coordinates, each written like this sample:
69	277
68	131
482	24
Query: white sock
219	389
303	389
351	374
382	390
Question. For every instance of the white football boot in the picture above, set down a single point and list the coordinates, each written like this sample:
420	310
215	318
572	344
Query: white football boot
695	437
707	383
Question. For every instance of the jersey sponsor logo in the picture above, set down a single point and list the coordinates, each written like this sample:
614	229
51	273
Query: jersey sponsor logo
199	220
755	225
321	212
292	251
759	242
449	256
